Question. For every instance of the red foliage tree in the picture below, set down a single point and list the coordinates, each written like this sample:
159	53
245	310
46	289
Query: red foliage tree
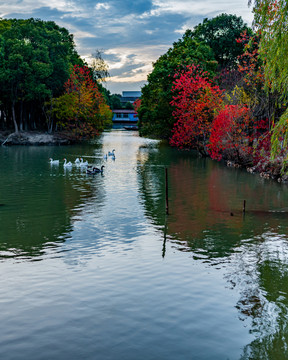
235	134
196	101
262	147
231	133
136	105
249	64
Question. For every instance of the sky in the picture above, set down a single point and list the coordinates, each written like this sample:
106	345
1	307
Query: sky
131	34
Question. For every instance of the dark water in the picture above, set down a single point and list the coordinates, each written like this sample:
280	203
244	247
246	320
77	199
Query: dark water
91	268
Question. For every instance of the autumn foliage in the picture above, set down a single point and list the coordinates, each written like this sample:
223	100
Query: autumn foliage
195	102
82	109
136	105
231	133
249	63
202	121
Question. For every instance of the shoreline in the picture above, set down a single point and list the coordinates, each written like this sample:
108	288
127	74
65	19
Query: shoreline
34	138
269	174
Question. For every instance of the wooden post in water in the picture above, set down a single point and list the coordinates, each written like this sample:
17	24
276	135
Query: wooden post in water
244	206
166	191
165	239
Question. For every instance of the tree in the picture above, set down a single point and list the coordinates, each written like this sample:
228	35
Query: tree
196	101
114	101
35	58
82	109
220	34
270	18
211	44
155	112
230	134
99	67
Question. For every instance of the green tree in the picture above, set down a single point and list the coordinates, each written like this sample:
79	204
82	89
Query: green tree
115	102
220	33
35	60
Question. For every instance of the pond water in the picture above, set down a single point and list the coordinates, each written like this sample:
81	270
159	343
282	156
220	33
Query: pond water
92	268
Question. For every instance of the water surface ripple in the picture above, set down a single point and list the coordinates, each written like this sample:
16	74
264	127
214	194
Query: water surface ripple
92	268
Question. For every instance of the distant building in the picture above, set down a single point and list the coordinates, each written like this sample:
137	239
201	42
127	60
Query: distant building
130	96
124	116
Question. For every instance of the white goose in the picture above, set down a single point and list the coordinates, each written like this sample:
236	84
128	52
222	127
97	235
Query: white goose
67	164
83	163
54	162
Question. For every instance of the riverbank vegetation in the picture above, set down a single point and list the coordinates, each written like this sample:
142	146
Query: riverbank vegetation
222	90
44	83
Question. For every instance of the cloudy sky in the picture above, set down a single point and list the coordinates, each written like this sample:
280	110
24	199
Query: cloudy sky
132	34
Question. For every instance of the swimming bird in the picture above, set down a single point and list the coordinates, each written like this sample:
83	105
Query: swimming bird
95	170
111	153
67	164
77	162
54	162
83	163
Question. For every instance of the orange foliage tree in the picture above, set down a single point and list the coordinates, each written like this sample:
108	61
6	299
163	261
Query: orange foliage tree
82	109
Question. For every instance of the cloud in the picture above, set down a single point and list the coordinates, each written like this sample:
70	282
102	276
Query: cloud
188	7
27	7
100	6
129	66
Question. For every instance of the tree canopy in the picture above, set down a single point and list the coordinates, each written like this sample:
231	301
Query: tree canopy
219	33
155	112
212	45
36	60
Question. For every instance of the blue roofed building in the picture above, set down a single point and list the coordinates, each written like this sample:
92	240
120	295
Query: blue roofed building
130	96
124	116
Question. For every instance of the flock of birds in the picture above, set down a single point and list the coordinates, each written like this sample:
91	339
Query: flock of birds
79	162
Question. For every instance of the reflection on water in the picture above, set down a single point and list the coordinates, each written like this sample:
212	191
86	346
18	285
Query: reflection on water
94	262
206	219
38	199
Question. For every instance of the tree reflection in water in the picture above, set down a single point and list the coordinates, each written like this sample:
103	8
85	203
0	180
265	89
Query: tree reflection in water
40	201
206	219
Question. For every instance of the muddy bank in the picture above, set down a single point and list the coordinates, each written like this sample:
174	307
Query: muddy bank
34	138
270	171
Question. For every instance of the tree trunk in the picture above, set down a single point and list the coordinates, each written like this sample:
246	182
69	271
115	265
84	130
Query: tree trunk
49	118
14	118
21	116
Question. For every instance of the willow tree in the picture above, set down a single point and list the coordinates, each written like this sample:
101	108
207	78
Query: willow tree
270	18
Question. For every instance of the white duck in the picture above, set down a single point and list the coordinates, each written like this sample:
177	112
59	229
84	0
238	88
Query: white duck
83	163
67	164
54	162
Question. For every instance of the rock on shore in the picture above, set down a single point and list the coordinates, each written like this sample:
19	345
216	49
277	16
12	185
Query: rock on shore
33	138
